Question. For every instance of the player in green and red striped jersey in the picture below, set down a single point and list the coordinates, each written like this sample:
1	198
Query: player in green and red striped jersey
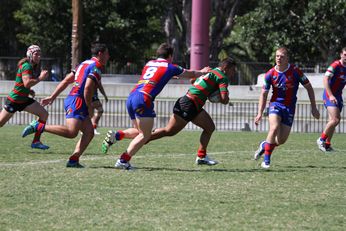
190	107
28	75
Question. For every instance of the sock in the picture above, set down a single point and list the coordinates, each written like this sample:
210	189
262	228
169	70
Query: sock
268	149
125	157
39	129
74	158
327	144
324	136
119	135
201	153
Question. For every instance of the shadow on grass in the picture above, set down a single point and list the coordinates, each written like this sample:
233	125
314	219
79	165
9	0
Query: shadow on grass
201	169
317	167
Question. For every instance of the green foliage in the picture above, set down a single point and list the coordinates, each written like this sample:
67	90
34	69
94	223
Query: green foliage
312	30
125	26
47	24
304	190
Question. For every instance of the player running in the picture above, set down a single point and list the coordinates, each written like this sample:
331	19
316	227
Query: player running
334	82
284	78
140	103
28	75
77	104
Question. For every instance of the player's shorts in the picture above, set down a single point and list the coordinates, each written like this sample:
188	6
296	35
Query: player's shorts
327	103
75	107
95	98
12	107
140	105
185	108
286	113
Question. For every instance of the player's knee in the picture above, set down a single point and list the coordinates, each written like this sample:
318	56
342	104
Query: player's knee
210	129
44	116
335	121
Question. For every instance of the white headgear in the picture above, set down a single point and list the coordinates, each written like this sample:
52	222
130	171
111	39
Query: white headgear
31	50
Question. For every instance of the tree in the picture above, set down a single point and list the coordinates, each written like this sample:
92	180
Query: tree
312	30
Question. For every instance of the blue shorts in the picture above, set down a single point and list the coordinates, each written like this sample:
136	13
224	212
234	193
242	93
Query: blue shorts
140	105
286	113
75	107
327	103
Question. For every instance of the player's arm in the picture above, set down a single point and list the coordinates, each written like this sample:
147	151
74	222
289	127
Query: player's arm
102	90
261	105
192	74
328	89
69	78
224	94
89	92
310	90
29	81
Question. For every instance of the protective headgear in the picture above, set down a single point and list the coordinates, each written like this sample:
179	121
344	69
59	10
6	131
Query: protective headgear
31	50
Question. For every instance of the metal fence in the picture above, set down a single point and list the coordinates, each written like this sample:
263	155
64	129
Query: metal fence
237	116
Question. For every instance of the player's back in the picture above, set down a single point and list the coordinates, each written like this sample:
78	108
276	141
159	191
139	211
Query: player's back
155	75
87	68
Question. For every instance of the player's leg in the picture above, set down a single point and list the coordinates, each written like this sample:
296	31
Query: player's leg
145	126
323	142
38	110
70	130
270	142
98	111
184	111
88	134
204	121
5	116
174	126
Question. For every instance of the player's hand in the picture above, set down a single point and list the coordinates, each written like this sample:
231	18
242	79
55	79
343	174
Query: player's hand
106	98
333	99
258	118
43	75
315	113
47	101
205	69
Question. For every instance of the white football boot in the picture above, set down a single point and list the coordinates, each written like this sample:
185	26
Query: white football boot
206	160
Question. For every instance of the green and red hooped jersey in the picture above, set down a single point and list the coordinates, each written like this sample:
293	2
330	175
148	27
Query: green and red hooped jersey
19	93
207	84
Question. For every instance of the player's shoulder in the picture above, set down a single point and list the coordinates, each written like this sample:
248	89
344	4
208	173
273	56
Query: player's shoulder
270	72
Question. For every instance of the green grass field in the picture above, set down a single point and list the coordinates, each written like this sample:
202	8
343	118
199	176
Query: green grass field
305	189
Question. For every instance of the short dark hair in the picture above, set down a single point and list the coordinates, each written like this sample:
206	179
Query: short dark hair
98	47
227	63
164	51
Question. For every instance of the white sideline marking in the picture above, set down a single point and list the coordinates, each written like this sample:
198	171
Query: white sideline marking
107	156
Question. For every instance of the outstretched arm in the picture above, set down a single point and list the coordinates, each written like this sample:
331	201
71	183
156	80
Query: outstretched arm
194	74
61	86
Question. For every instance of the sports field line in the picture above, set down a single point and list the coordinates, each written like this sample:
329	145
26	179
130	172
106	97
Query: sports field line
113	157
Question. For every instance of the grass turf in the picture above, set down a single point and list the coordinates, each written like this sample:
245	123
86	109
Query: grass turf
303	190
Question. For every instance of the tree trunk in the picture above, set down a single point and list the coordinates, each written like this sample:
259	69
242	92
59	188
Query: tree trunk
77	27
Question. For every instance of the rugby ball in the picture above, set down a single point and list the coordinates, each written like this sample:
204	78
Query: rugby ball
215	97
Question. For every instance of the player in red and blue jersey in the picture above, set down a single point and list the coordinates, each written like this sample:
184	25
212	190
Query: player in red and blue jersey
77	104
189	108
284	78
140	103
28	75
334	82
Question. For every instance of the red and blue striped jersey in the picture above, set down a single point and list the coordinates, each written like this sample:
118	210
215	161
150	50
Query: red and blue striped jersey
336	74
285	84
90	68
155	75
